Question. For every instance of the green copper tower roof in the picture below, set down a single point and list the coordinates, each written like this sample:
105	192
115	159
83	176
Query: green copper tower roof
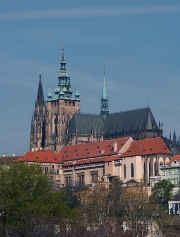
64	81
63	90
104	100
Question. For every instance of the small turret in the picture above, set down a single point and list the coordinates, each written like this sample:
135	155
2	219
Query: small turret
49	96
174	137
77	95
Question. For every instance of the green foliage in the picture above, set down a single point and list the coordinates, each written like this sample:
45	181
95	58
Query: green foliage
115	192
27	202
162	191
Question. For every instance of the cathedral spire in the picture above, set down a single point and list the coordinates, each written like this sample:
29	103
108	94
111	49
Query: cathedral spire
104	99
63	72
40	96
64	81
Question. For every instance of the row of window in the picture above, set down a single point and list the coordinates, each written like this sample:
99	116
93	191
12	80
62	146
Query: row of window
132	171
66	103
169	172
80	179
46	170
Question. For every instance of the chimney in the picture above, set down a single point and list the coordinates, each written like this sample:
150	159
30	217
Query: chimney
32	149
115	146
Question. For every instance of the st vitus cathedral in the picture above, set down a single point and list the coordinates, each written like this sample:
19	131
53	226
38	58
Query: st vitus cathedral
58	121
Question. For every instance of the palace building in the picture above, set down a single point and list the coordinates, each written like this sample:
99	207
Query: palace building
58	121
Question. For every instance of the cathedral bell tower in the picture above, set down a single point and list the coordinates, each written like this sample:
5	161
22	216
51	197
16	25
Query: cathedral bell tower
37	136
60	110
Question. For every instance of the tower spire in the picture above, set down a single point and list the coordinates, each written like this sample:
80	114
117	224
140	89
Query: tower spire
63	65
40	96
104	99
64	81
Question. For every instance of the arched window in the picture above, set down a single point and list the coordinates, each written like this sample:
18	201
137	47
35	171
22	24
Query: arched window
124	171
161	163
132	170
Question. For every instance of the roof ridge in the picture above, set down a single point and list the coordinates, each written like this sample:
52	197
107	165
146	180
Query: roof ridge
130	110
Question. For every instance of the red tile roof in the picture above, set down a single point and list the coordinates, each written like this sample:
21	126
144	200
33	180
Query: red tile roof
146	147
177	157
90	160
41	156
93	149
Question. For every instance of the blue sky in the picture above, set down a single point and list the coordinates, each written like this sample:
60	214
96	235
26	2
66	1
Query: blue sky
138	42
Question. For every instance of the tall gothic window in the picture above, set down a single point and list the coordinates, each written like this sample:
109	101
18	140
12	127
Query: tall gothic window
132	170
155	170
144	171
124	171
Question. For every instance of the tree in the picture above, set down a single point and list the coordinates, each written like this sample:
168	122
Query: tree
138	213
162	191
27	204
99	210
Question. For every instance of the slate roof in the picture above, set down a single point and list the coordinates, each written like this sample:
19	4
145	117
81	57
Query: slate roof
128	120
85	123
122	121
147	147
